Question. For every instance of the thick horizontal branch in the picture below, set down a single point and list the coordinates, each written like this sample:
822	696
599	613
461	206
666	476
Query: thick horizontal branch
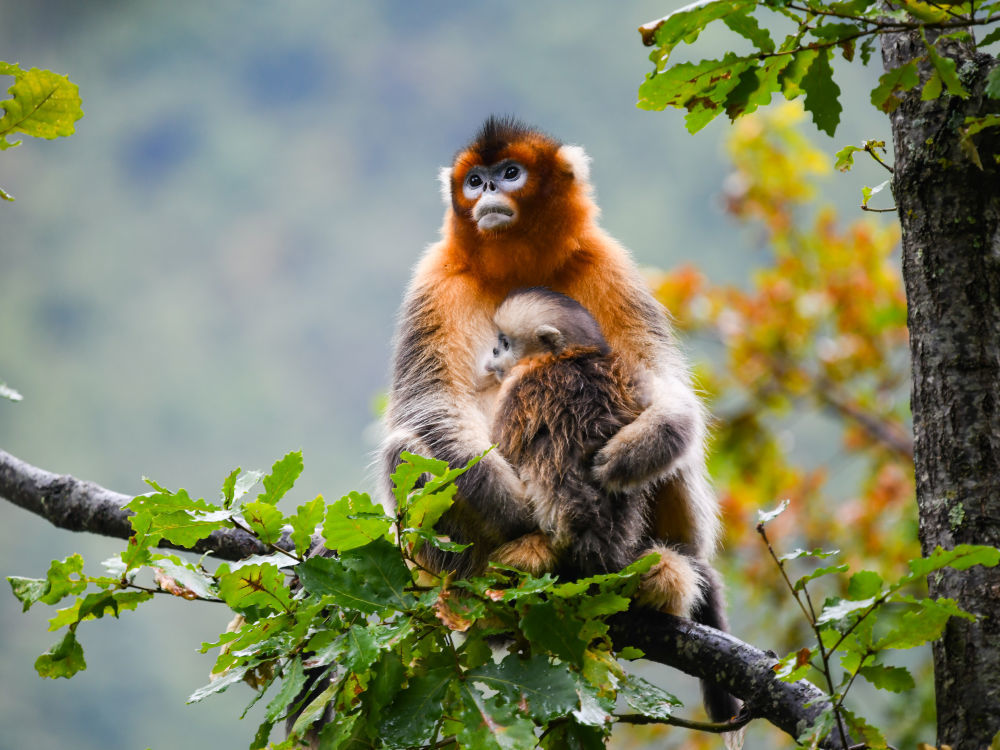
703	652
77	505
744	670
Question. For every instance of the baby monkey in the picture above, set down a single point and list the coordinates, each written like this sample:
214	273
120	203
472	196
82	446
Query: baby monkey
563	395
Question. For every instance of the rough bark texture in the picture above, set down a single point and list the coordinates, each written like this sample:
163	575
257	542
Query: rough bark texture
77	505
950	214
698	650
745	671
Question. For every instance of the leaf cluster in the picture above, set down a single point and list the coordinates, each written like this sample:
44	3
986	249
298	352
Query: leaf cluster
358	630
800	64
855	633
42	104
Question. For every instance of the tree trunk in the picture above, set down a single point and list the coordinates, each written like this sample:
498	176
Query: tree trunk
949	209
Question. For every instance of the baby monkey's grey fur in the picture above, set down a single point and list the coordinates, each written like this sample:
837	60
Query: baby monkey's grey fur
564	394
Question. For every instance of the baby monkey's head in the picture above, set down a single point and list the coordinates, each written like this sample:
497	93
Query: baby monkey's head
536	321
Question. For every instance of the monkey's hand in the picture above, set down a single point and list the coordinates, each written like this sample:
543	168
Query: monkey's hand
642	451
532	552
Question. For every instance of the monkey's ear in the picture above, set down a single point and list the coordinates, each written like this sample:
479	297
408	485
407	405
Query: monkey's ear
577	160
551	338
444	177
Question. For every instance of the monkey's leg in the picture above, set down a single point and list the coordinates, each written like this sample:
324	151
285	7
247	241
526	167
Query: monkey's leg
532	552
688	587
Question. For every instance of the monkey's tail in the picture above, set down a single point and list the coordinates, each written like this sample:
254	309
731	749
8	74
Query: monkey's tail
711	611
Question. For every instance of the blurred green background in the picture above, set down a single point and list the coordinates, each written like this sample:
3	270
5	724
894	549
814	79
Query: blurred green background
206	275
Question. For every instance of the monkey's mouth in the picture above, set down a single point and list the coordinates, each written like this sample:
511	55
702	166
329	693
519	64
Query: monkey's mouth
495	216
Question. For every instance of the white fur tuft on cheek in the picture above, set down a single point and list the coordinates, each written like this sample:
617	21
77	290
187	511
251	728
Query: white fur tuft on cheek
444	177
578	161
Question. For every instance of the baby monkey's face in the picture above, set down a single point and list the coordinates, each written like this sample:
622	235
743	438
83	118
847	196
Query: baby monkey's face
505	354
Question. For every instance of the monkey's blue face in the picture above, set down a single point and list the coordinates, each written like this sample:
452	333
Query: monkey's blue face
490	188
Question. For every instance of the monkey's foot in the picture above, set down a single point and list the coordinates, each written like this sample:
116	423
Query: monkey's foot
532	552
673	585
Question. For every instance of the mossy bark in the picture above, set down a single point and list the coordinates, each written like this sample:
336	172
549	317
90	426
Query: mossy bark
949	208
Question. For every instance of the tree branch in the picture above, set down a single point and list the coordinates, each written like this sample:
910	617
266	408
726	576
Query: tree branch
744	670
78	505
701	651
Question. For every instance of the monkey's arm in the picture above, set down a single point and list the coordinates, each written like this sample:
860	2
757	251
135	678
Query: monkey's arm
650	448
435	410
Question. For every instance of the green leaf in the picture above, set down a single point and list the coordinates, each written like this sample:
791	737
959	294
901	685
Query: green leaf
993	36
746	26
548	690
412	716
5	391
64	659
834	32
219	683
818	573
94	606
551	630
238	484
817	552
631	652
755	87
946	68
367	579
841	608
354	521
292	681
43	104
490	723
795	71
307	517
845	157
868	192
64	578
646	698
993	82
864	584
822	94
385	683
972	126
174	516
793	667
701	88
28	590
893	679
573	736
229	488
282	478
894	81
765	517
932	89
265	520
915	629
685	24
961	557
315	708
188	575
254	586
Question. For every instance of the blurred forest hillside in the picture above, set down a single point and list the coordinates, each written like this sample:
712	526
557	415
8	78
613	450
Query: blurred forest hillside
206	274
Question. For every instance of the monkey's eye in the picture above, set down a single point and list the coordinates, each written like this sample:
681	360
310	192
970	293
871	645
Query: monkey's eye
496	352
474	181
511	173
505	342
